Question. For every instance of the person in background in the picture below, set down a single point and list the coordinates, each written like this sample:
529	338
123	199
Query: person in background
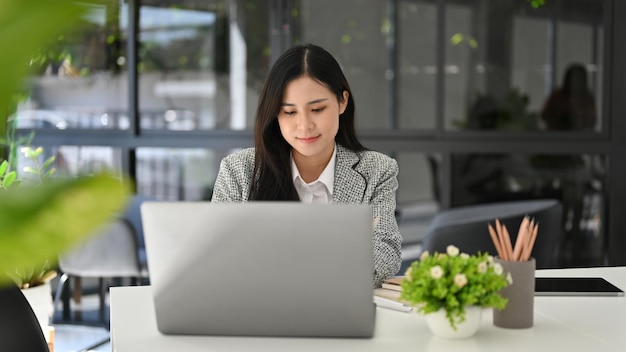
571	106
306	149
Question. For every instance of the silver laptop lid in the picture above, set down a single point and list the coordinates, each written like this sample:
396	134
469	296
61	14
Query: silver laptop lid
260	268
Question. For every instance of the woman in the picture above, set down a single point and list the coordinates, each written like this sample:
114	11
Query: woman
572	106
306	149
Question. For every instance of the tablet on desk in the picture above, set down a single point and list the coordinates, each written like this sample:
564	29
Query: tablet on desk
575	286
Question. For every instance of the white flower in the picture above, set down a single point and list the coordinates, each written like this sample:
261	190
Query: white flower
465	256
509	278
482	267
497	268
452	251
490	259
424	255
407	273
460	280
436	272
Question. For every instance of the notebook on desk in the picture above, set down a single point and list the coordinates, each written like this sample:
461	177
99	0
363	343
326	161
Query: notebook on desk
260	268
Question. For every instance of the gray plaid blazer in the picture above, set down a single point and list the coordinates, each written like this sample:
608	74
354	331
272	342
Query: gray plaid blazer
365	177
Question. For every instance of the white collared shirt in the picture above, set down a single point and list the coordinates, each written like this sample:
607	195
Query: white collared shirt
320	190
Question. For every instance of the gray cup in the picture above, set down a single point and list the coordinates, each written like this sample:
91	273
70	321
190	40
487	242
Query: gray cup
518	313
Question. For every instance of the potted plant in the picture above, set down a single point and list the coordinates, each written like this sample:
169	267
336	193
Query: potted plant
39	222
34	281
447	286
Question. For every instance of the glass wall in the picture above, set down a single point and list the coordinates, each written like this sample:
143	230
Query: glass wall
578	181
468	95
507	62
175	174
68	161
357	39
80	80
415	73
201	63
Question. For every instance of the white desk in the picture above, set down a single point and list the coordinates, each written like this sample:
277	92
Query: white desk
561	324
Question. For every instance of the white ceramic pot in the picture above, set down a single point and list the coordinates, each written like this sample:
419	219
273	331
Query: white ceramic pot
40	300
440	325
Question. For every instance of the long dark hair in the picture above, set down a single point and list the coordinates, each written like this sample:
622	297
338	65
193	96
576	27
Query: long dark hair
272	166
575	80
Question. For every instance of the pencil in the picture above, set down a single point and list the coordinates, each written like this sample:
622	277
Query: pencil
531	243
520	242
507	241
501	239
495	240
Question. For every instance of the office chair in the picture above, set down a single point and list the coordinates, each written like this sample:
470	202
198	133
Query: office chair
116	251
112	252
466	228
133	215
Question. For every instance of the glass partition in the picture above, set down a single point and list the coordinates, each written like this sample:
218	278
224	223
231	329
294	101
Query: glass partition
79	79
511	60
355	32
178	174
201	63
69	161
425	74
418	195
577	181
416	71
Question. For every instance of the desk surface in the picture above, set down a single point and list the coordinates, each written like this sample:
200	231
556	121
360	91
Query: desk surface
560	324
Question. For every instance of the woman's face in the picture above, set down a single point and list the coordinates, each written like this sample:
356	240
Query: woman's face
309	118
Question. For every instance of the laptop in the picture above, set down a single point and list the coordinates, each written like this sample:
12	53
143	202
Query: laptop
260	268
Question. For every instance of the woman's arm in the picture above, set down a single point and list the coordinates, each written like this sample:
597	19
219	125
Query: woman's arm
387	240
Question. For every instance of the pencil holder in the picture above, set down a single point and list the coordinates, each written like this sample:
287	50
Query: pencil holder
518	313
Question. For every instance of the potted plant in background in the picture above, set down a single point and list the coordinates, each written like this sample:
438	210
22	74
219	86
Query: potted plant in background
452	288
34	281
39	222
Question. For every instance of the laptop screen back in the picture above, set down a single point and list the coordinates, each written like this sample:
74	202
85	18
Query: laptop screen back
260	268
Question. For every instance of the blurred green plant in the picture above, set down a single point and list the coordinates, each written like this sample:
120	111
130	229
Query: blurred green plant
40	221
536	3
26	25
39	172
510	111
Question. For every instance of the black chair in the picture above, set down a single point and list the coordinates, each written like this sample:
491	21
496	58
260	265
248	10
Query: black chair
466	227
133	215
19	327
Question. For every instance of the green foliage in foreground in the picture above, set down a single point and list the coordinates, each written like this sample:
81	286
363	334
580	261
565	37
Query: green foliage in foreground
25	26
38	223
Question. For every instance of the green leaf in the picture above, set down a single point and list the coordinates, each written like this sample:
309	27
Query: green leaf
38	223
31	153
456	38
48	162
3	167
30	170
8	179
